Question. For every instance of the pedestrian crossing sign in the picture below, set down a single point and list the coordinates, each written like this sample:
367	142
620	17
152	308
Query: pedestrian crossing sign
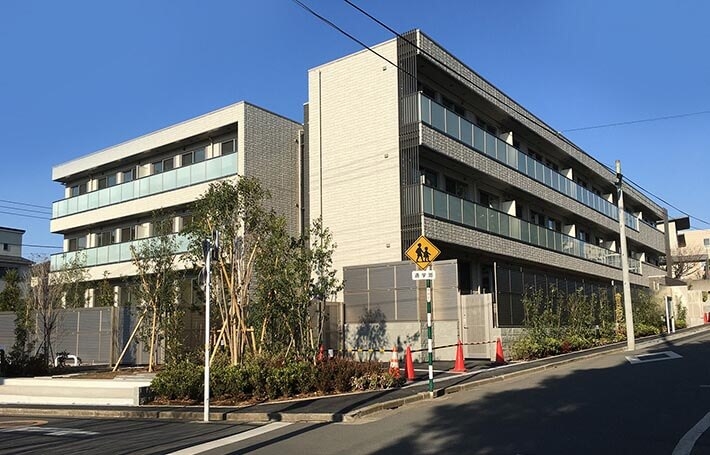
422	252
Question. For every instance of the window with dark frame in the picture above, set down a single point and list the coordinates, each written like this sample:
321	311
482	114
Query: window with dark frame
228	147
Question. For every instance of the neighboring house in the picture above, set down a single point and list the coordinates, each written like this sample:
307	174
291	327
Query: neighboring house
11	253
690	257
431	148
110	195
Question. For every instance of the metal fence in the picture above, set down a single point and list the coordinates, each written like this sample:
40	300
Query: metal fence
96	335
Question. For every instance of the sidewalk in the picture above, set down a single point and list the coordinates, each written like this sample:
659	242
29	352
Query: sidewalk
344	407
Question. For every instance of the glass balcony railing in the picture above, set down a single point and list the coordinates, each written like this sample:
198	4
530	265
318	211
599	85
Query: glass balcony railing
445	206
108	254
450	123
203	171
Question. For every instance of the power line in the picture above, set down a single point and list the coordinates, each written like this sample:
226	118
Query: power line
43	212
495	96
533	119
32	245
26	204
632	122
640	188
25	215
361	43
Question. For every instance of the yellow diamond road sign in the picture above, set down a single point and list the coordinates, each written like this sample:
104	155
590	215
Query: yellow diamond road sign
422	252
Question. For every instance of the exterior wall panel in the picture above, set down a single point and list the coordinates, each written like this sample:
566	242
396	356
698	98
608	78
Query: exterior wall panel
354	182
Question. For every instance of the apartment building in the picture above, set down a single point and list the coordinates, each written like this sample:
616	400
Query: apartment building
11	253
110	196
429	147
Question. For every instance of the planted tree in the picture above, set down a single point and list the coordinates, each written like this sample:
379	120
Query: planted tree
295	280
157	290
235	210
104	293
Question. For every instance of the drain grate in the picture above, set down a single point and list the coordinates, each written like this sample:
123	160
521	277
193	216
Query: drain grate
653	357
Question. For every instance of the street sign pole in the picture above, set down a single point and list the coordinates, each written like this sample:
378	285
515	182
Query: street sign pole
422	252
429	339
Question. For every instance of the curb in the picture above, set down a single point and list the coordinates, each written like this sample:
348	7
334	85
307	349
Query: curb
603	350
262	417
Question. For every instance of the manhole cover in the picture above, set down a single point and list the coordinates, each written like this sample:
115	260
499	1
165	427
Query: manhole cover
653	357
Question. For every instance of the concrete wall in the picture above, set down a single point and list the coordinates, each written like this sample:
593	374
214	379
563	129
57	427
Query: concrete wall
353	155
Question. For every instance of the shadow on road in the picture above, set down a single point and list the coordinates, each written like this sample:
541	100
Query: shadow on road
613	408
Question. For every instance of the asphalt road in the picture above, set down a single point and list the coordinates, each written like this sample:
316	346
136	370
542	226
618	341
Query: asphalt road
604	405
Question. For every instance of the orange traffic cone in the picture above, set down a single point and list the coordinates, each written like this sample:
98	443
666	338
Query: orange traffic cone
500	358
394	363
459	365
409	364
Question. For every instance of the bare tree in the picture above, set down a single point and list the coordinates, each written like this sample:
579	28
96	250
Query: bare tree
689	263
50	293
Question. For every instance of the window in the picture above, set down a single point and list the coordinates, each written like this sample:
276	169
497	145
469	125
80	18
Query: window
105	238
228	147
554	224
105	182
456	187
186	221
168	164
430	177
77	243
488	200
128	234
157	167
534	155
583	235
537	218
186	159
128	175
6	247
198	155
79	189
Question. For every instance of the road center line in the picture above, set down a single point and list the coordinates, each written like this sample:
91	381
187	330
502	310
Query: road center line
201	448
686	443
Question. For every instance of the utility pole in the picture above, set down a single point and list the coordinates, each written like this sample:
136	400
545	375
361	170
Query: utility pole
628	309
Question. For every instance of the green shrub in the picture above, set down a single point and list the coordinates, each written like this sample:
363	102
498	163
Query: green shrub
180	380
681	316
642	330
265	377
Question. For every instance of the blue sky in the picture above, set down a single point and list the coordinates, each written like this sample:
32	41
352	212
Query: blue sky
82	75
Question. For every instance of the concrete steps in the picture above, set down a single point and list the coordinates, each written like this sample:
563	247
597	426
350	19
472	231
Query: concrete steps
67	391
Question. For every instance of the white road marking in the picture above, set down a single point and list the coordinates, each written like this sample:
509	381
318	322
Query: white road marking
686	443
653	357
49	431
231	439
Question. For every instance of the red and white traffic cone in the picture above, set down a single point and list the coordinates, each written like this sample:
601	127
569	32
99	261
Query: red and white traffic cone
394	363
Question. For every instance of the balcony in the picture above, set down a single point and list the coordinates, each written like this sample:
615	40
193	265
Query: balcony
453	125
108	254
450	208
203	171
